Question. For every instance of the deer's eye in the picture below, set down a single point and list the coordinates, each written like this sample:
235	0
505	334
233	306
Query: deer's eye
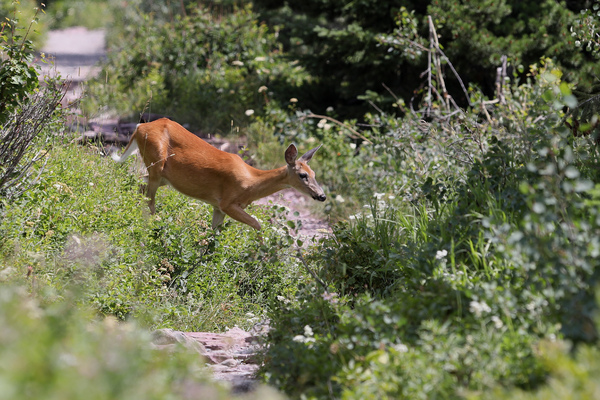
303	175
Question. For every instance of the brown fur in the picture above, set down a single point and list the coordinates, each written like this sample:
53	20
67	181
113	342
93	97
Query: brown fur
175	156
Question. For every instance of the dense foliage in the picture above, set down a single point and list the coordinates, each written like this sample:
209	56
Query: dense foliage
62	352
19	18
481	241
208	68
337	42
18	77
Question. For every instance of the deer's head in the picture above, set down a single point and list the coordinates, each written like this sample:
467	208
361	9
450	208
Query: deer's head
302	177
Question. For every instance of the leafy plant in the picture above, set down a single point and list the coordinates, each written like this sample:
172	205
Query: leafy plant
18	77
338	42
482	245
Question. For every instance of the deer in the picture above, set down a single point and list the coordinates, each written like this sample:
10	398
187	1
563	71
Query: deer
175	156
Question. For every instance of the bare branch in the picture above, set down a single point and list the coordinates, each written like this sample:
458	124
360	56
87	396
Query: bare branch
354	132
19	135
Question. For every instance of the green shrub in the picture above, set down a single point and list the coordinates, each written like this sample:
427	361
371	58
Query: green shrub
573	373
60	351
28	112
481	244
90	14
23	19
18	77
355	51
204	69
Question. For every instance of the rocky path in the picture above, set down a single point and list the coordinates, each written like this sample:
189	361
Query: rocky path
232	355
74	54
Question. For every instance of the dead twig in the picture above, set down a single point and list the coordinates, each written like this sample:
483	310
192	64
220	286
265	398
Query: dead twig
355	133
500	77
435	45
310	271
19	145
434	50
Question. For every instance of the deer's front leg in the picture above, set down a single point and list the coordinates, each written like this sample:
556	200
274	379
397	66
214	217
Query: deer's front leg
218	217
236	212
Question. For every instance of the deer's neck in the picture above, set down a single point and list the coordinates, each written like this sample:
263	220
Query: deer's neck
268	182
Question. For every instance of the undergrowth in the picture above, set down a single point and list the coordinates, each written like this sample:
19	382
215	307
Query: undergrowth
475	242
86	226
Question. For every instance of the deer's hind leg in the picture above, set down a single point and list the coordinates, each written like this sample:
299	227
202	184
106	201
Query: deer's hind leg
150	189
155	158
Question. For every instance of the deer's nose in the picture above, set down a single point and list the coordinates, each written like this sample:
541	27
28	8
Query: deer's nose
320	197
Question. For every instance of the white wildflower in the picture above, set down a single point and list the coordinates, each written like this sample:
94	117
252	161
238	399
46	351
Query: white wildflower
479	308
308	331
307	337
293	100
441	254
339	199
321	123
262	89
252	318
283	299
378	195
330	297
249	112
260	58
237	63
497	322
401	347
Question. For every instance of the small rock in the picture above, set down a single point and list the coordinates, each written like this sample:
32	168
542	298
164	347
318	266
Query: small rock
167	338
230	362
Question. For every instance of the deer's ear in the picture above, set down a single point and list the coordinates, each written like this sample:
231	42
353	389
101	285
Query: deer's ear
309	154
290	154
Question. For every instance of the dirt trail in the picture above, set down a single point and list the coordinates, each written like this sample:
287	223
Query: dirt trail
232	354
74	54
